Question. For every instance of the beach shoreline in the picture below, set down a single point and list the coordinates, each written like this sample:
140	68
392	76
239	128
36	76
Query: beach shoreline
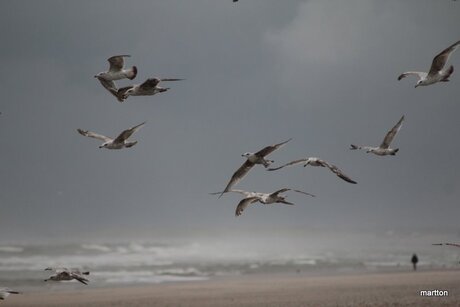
281	289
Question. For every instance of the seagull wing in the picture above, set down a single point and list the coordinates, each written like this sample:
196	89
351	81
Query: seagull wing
441	59
391	134
280	191
305	193
238	175
127	133
269	149
110	86
94	135
337	171
79	278
245	193
244	203
117	62
288	164
419	74
149	84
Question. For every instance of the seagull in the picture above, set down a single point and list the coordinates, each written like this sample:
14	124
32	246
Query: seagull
148	88
118	143
384	148
5	292
450	244
252	159
116	71
437	72
64	274
263	198
313	161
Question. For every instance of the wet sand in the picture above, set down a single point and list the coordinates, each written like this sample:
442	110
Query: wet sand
379	289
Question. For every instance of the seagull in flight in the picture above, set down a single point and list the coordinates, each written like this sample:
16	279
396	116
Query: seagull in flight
148	88
64	274
263	198
437	72
449	244
384	148
251	160
5	292
313	161
116	70
118	143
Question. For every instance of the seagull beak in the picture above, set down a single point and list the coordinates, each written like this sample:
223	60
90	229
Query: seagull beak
416	86
101	146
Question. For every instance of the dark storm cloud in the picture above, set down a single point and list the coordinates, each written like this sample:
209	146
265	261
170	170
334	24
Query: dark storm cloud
322	72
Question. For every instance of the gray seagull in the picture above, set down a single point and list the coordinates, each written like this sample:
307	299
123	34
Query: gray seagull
384	148
313	161
263	198
148	88
437	72
118	143
64	274
251	160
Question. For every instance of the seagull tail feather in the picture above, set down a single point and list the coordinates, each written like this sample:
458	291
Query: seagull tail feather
133	73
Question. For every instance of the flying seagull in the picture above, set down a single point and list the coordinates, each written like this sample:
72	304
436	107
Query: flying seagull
437	72
251	160
5	292
63	274
118	143
116	71
317	162
384	148
256	194
148	88
263	198
450	244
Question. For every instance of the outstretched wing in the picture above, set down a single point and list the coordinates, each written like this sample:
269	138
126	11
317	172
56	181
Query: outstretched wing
117	62
391	134
450	244
245	193
288	164
94	135
238	175
306	193
79	278
419	74
441	59
280	191
269	149
337	171
127	133
109	85
244	203
149	84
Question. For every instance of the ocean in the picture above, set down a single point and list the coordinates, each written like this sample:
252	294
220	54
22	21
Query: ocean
140	262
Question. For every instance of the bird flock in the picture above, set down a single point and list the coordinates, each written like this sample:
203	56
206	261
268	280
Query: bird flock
117	71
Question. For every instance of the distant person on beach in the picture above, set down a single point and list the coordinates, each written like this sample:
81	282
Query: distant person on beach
414	261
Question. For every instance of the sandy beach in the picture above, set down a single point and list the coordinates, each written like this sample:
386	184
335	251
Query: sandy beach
370	289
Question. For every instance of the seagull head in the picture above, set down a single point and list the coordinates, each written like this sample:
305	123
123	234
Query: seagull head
247	154
419	82
99	75
104	145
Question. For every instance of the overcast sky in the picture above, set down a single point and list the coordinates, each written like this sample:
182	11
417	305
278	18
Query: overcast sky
257	73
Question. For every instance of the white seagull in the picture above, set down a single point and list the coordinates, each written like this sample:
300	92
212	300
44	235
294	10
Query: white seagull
116	71
313	161
118	143
384	148
148	88
263	198
251	160
437	72
64	274
5	292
